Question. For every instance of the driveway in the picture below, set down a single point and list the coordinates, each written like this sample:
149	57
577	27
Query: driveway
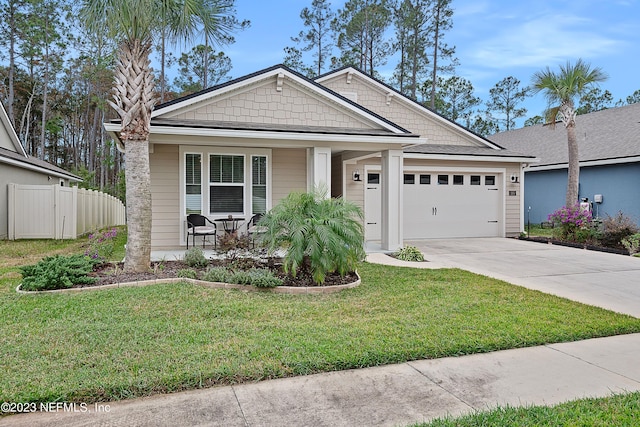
595	278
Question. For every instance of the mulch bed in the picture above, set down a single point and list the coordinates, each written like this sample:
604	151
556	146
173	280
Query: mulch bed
110	273
590	247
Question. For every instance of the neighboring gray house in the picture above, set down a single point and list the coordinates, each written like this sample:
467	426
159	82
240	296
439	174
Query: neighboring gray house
17	167
609	142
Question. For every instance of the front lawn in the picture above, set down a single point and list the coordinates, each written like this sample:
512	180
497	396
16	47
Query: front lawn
122	343
617	410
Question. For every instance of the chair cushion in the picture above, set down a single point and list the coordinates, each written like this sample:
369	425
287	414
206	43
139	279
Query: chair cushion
202	230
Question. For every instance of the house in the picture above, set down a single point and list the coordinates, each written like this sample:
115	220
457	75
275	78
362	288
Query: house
240	147
17	167
609	150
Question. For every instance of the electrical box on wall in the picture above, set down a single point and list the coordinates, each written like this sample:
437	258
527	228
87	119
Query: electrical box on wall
597	198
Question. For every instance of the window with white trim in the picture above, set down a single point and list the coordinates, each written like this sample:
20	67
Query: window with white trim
259	184
193	183
226	184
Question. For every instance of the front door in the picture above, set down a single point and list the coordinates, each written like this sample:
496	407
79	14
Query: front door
373	206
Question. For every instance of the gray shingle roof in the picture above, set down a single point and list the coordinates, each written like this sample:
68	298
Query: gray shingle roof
608	134
30	160
462	150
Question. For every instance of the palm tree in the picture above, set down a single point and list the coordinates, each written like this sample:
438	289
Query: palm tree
561	90
134	24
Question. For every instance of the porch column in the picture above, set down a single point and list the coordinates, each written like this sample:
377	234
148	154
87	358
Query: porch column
392	200
319	169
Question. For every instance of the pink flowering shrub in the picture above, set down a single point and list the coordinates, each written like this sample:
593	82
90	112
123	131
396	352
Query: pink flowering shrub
572	224
101	244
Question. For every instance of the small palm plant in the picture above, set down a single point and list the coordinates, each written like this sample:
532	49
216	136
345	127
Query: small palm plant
318	233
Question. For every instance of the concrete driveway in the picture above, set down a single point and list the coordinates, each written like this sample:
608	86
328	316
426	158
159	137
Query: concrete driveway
596	278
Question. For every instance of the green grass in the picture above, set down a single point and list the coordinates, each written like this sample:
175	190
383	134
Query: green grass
537	231
618	410
123	343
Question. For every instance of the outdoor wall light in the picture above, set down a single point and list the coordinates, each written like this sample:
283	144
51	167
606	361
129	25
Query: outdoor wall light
356	175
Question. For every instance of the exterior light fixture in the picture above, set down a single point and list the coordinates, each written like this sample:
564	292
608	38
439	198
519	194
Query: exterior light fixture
356	175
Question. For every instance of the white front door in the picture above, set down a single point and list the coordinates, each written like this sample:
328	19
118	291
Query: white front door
373	206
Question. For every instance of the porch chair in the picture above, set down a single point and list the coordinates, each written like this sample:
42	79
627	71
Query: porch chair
253	228
197	226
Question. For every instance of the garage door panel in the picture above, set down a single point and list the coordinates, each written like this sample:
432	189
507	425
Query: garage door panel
439	211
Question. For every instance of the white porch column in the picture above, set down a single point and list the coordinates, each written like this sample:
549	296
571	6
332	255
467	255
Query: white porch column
392	199
319	169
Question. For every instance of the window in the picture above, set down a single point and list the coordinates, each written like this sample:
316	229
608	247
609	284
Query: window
193	183
458	179
226	184
443	179
475	179
259	184
373	178
409	178
490	180
425	179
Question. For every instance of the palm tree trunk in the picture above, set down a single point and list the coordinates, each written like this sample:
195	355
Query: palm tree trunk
134	100
573	165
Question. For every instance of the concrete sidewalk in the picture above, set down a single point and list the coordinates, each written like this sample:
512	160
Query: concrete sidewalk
402	394
393	395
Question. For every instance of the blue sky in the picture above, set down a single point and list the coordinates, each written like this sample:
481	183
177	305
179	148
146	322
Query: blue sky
494	39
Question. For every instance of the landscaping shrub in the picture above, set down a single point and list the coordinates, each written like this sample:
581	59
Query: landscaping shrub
409	253
187	273
572	224
321	234
239	277
264	278
632	243
216	274
57	272
615	228
194	257
259	277
101	244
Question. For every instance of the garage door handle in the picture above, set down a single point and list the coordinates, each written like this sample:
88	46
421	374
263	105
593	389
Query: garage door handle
493	221
371	188
371	223
492	189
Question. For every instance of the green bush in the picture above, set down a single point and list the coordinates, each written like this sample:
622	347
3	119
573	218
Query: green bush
216	274
187	273
410	253
264	278
194	257
57	272
320	234
239	277
632	243
616	228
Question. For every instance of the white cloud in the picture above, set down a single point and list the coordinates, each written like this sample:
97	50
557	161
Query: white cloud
544	40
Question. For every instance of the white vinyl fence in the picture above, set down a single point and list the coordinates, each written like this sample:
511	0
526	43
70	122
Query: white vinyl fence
56	212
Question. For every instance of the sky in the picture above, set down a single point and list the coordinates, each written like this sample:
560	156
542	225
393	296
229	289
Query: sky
494	39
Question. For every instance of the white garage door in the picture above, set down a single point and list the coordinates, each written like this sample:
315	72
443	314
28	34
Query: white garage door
441	205
456	204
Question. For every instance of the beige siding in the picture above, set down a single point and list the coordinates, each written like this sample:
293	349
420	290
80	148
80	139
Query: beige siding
399	112
165	196
265	105
289	172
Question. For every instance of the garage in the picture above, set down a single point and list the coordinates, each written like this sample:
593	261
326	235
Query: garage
442	203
